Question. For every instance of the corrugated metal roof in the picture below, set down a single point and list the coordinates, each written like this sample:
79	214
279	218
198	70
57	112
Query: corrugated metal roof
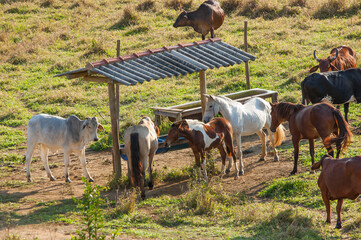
164	62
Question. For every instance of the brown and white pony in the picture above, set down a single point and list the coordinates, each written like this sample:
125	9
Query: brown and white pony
141	143
203	137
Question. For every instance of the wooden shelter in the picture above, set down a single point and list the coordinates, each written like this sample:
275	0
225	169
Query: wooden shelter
154	64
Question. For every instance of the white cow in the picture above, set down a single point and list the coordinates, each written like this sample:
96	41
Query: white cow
54	133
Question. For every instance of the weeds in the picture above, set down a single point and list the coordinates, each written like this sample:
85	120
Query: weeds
92	214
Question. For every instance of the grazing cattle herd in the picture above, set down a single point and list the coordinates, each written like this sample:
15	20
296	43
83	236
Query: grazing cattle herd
338	83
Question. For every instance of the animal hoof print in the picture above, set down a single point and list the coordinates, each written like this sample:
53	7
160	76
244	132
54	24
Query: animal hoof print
227	171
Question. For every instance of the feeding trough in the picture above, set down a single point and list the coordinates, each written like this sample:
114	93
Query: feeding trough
193	110
181	143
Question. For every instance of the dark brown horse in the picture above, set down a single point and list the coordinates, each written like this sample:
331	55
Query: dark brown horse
312	122
202	137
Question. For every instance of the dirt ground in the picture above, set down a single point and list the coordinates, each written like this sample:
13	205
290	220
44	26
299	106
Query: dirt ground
100	167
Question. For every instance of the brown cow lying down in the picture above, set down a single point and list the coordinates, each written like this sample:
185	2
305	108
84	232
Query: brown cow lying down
339	179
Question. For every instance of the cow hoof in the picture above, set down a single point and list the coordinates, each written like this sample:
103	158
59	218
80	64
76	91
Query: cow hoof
227	171
143	196
261	160
236	177
91	180
338	226
30	180
68	180
52	178
150	185
276	159
292	173
241	172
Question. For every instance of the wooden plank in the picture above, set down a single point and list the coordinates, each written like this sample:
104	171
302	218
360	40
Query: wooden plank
203	89
248	83
97	79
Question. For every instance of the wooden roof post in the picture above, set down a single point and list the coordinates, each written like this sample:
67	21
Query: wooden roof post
115	133
203	89
248	83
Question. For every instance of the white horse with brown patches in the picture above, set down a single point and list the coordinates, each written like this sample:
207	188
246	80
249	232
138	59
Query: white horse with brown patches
246	119
203	137
141	143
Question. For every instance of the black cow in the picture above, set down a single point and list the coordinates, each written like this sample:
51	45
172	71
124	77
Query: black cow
339	87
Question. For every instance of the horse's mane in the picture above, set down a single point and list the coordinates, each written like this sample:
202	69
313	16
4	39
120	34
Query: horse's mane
285	108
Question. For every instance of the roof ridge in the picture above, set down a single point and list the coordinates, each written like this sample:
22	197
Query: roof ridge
149	52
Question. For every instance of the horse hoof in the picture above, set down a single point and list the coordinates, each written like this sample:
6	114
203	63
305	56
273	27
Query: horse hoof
91	180
227	171
241	172
261	160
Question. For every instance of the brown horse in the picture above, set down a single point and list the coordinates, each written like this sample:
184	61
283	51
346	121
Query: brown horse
202	137
312	122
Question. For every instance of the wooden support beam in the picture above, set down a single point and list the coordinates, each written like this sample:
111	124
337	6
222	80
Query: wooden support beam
117	164
203	89
97	79
248	83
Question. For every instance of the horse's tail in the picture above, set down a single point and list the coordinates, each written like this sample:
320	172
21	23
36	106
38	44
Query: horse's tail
137	166
279	135
344	136
304	94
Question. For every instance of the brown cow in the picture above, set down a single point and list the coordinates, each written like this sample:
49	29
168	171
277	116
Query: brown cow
339	179
341	58
207	18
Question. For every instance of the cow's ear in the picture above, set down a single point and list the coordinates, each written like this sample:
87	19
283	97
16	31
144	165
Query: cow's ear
100	127
314	69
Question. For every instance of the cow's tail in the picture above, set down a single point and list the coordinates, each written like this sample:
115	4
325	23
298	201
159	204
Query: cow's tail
279	135
137	165
317	165
344	135
304	94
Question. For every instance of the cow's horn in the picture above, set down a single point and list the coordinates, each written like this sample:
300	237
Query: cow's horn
334	57
314	55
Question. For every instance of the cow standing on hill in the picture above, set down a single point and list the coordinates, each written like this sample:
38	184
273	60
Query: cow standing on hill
207	18
54	133
341	58
339	179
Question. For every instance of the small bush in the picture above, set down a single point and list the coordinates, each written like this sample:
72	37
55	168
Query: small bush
330	9
145	6
125	203
298	3
179	4
230	6
129	17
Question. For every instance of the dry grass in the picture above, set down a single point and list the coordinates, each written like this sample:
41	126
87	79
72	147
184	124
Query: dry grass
179	4
147	5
